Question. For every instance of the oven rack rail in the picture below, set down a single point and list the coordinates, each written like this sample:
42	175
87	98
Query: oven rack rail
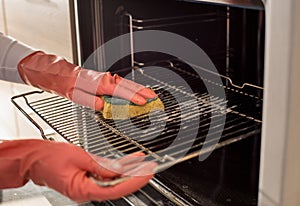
154	23
230	85
88	129
254	4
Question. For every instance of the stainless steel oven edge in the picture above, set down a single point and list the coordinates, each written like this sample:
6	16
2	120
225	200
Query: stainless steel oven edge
280	168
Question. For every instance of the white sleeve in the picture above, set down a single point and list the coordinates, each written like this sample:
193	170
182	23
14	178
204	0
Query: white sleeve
11	53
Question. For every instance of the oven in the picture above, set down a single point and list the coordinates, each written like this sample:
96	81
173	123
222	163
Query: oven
228	92
206	61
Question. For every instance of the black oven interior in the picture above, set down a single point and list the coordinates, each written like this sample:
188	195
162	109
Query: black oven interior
233	37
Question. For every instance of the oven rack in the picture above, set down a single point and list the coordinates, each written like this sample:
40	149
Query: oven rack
181	132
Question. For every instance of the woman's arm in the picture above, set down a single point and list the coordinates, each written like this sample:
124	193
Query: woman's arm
68	169
11	53
19	63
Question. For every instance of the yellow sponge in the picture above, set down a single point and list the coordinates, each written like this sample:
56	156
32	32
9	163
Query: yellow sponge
117	108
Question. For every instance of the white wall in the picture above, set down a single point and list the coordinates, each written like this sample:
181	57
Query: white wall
44	25
41	24
2	17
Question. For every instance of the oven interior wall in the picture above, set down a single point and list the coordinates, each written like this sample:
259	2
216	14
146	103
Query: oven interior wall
233	38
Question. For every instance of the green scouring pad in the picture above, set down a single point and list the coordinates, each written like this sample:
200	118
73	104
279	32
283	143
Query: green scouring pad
117	108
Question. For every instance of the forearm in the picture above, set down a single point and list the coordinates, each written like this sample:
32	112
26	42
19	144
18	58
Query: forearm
13	167
19	63
11	53
68	169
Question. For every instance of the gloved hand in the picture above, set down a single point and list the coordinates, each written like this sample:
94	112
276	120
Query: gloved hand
66	168
82	86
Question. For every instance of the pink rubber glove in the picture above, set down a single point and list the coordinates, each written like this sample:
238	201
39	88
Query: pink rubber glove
65	168
54	74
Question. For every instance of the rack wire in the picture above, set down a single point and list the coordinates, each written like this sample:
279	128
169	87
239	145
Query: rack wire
175	135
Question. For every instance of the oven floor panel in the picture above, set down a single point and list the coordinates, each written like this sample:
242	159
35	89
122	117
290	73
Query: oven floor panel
223	177
147	195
